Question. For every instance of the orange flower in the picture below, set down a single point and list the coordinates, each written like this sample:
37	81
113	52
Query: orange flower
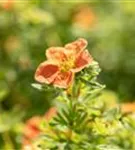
62	63
32	130
128	107
84	17
51	113
7	4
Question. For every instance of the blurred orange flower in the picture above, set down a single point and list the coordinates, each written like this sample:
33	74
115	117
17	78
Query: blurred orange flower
32	130
84	17
128	107
62	63
7	4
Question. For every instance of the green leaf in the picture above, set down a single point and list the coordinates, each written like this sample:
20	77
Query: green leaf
61	119
37	86
112	114
66	114
46	87
109	147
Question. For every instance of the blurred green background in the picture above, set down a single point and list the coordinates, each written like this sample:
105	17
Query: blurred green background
29	27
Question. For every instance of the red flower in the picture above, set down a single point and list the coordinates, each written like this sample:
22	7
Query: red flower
62	63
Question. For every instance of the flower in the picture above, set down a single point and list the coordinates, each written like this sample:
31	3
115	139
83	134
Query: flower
7	4
50	114
62	63
32	130
85	17
127	107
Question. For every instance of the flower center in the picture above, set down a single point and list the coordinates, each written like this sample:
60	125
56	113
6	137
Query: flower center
67	64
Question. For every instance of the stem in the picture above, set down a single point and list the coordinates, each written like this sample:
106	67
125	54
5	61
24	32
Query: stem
71	121
73	98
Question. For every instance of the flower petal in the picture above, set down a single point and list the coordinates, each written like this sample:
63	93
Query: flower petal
82	60
77	45
56	53
46	72
31	129
50	113
64	79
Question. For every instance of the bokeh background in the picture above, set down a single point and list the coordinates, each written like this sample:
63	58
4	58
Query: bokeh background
29	27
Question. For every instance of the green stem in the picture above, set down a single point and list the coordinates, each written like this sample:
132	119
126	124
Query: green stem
73	98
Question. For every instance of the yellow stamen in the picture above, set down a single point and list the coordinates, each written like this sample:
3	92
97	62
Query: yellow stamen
67	65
